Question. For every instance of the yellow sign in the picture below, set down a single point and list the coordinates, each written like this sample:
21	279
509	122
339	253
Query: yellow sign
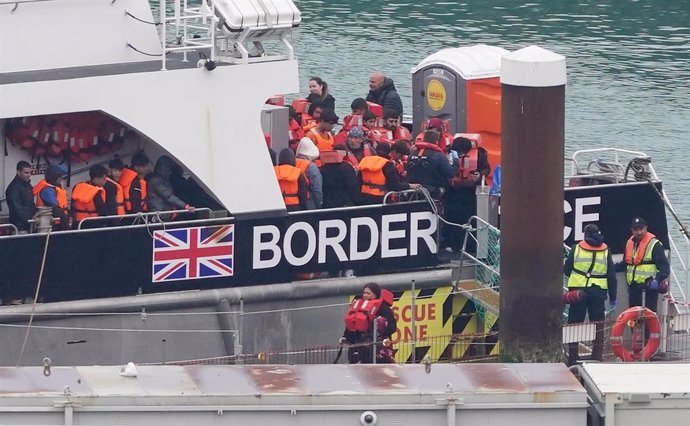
435	95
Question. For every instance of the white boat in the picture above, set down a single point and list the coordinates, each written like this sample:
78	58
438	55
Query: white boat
191	83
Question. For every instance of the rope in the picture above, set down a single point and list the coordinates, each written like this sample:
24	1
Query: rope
33	305
142	52
141	20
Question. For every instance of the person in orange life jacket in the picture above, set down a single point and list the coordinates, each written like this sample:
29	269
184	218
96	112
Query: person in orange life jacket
133	183
391	122
428	166
645	264
20	198
363	354
321	134
312	116
378	175
400	152
88	198
296	133
382	91
318	91
357	147
461	199
160	194
114	194
51	194
291	180
341	188
307	153
445	138
358	107
594	273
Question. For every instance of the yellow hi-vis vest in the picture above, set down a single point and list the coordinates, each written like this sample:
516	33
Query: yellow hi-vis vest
590	266
646	268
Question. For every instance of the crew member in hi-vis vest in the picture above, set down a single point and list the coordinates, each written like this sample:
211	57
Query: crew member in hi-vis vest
646	266
590	271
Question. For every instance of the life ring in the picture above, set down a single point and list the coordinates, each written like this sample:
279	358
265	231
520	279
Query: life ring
629	318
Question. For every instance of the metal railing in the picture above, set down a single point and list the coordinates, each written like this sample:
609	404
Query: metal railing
11	227
143	217
188	22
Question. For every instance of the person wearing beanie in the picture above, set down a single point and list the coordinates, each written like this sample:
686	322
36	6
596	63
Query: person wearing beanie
379	175
646	266
445	139
307	154
589	267
292	183
357	147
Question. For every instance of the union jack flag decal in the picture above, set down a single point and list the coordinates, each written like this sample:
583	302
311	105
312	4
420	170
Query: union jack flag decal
193	253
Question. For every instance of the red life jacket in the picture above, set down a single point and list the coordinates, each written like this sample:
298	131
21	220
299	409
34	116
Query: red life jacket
468	163
376	109
361	313
366	152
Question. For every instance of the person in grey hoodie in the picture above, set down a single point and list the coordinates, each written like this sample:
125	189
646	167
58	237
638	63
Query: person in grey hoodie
160	195
307	153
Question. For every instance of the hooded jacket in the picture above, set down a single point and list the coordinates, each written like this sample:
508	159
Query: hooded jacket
159	191
387	96
596	240
306	150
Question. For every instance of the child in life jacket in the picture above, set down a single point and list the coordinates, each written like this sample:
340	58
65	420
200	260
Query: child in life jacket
360	320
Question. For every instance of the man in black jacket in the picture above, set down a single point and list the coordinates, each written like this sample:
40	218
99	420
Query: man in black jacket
20	199
382	91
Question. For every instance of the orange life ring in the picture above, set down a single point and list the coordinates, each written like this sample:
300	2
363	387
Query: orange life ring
629	318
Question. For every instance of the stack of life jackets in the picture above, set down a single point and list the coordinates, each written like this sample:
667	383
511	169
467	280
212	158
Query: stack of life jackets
83	205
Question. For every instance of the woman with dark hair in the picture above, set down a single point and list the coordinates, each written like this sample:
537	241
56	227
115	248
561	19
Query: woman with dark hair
318	91
360	321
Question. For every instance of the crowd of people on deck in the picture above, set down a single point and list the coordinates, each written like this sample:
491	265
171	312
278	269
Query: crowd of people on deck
373	154
113	191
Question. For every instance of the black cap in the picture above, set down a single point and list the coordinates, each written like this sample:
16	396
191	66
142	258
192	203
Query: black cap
638	222
591	229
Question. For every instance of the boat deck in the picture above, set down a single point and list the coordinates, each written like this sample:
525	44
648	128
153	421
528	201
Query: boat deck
173	62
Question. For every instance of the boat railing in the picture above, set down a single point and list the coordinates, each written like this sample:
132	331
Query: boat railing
611	163
230	31
143	217
9	226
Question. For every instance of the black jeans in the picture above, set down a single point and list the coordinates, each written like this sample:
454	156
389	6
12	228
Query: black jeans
594	306
635	296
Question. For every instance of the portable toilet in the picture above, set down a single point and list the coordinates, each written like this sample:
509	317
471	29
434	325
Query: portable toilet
462	86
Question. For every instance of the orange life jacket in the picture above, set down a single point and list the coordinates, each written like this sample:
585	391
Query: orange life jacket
61	195
119	197
296	131
375	108
83	205
373	179
641	249
399	133
323	143
366	152
445	141
421	146
288	180
303	164
361	313
468	163
126	179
